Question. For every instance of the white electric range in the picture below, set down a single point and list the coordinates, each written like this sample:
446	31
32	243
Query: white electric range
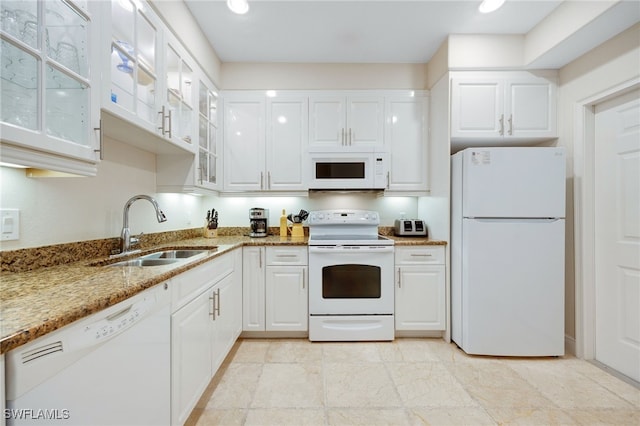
350	277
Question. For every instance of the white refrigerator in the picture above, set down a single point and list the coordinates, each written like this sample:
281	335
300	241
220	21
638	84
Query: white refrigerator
507	251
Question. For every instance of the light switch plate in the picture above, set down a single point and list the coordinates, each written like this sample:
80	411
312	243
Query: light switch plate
9	224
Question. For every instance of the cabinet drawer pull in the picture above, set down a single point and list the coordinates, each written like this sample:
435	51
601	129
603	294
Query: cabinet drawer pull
421	254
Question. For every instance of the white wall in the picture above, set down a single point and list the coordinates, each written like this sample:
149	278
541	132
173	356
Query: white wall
283	76
605	67
60	210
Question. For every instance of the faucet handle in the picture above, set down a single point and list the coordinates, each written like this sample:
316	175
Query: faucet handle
135	240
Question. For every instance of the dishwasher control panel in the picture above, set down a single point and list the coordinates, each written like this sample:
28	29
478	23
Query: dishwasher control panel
117	322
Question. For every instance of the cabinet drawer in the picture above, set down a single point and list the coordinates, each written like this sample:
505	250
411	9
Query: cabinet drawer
191	283
422	255
286	256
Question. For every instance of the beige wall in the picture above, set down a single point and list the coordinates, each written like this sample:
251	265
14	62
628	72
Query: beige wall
284	76
603	68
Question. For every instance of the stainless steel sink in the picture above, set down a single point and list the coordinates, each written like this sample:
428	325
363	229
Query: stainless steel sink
143	261
163	257
174	254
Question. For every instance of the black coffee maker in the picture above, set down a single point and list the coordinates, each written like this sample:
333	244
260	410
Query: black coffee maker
258	222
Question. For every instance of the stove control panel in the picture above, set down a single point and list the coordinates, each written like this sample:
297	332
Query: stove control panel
346	217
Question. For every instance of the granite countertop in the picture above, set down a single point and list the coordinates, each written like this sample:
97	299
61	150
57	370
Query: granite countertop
36	302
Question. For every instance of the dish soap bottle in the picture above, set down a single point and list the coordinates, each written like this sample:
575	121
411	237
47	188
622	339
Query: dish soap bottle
283	224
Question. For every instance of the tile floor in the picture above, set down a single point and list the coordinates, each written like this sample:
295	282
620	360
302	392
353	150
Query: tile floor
407	382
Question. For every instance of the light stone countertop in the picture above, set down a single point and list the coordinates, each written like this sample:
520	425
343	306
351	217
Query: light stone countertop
34	303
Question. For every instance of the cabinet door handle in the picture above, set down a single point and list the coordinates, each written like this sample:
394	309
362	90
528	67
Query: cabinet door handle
260	257
218	297
304	279
170	124
261	180
212	298
342	137
350	136
100	146
399	280
511	124
162	118
501	124
269	180
388	179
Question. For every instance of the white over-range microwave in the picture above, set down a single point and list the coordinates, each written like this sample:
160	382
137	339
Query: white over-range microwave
348	170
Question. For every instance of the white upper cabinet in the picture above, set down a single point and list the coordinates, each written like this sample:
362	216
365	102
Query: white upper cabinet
199	174
48	78
286	143
244	149
346	121
148	96
259	156
406	134
503	106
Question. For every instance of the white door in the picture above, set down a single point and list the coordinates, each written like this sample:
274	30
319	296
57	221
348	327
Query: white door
477	108
244	144
286	298
326	121
617	233
287	136
365	121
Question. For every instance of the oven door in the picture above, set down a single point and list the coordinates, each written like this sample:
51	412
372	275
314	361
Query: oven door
351	280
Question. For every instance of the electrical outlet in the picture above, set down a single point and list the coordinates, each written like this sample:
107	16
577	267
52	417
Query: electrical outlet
9	224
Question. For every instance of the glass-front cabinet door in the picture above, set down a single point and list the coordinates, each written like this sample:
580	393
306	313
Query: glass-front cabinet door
208	128
134	63
46	84
180	96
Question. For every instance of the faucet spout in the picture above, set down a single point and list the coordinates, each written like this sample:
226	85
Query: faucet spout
125	235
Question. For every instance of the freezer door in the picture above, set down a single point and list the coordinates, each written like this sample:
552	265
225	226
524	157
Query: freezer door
513	287
513	182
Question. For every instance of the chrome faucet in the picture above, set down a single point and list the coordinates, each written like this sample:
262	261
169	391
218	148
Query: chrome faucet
125	236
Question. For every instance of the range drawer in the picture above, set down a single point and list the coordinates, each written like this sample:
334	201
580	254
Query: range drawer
286	256
420	255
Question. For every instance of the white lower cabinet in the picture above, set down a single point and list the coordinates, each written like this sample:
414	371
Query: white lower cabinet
275	291
420	284
204	326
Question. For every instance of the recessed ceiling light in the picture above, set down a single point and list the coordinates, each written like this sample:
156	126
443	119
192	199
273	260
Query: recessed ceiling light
488	6
238	6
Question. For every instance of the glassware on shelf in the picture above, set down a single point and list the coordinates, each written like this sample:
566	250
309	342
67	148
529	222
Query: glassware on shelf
67	55
124	66
9	22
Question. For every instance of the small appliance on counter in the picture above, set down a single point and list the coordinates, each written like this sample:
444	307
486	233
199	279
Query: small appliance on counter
410	228
258	222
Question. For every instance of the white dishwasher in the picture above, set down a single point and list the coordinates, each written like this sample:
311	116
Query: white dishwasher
111	368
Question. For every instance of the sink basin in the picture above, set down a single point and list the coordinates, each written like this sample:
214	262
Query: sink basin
174	254
144	261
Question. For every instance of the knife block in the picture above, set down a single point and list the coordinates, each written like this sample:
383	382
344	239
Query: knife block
210	233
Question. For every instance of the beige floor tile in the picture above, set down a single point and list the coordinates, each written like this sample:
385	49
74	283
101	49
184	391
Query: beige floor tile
285	417
251	350
359	385
407	350
293	350
289	386
531	416
566	386
350	352
494	384
226	417
428	384
596	417
236	387
368	417
451	416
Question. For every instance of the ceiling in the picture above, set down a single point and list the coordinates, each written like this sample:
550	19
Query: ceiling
355	31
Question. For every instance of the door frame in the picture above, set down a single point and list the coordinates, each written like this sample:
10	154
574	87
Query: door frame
584	214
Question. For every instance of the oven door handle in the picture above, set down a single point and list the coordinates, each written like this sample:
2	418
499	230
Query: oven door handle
350	249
